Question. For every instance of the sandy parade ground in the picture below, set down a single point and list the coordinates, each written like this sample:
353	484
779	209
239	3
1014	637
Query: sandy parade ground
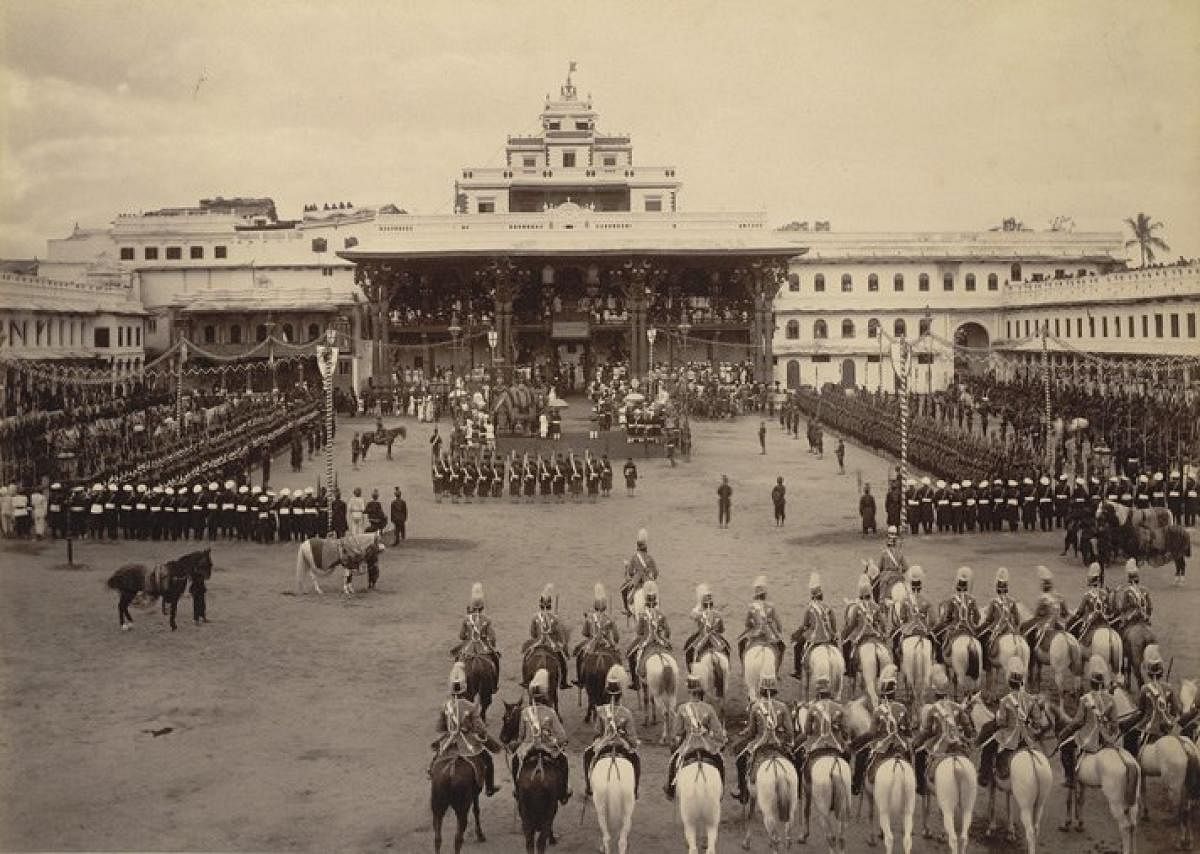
305	722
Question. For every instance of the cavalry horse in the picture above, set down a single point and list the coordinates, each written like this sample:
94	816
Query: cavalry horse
953	785
872	656
1030	778
1003	649
537	786
712	668
351	552
593	666
698	785
1136	636
1117	775
757	657
612	778
1063	654
966	663
893	793
482	677
455	785
168	580
777	795
829	788
1135	534
826	659
537	657
659	688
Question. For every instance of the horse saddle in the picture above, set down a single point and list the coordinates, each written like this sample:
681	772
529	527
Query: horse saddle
451	754
765	753
936	759
704	758
891	749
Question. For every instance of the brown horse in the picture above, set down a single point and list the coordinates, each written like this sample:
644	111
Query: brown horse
538	784
482	678
455	785
540	658
168	580
593	670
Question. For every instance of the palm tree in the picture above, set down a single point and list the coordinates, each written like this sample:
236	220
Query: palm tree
1145	238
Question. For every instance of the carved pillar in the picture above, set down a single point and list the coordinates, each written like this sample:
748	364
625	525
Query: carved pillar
762	280
506	281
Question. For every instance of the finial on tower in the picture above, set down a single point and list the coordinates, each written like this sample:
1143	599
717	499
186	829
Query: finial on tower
568	88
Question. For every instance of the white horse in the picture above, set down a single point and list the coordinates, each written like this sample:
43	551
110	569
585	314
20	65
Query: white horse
1169	757
954	786
966	663
712	668
699	788
873	656
916	664
322	555
894	795
1065	658
777	794
1107	644
612	795
829	790
754	662
662	677
1115	773
1008	646
1030	779
826	659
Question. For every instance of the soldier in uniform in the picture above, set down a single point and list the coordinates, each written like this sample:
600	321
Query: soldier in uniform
1001	616
166	517
913	613
111	512
599	630
616	732
818	626
78	511
652	630
1141	493
1191	498
528	479
545	479
1131	601
1011	730
1062	500
1158	491
1094	608
946	731
824	731
183	511
638	570
1175	496
54	510
941	506
322	515
464	733
264	530
959	614
698	733
865	620
197	516
1049	616
229	510
970	507
983	508
1028	505
96	512
212	509
912	501
710	628
1012	505
477	630
283	508
893	566
513	470
1158	706
1045	504
542	730
546	631
955	518
438	476
762	622
309	528
889	734
1000	506
768	728
1094	726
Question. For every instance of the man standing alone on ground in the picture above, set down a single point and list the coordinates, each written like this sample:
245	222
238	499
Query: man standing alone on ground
840	453
779	499
399	513
762	435
866	509
724	502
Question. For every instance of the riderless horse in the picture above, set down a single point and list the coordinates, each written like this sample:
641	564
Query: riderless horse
168	580
351	552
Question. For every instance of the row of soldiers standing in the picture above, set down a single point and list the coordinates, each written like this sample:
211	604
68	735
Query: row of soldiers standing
552	476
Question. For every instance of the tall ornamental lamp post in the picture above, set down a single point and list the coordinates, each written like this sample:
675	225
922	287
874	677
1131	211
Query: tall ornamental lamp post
901	364
455	330
651	334
1048	444
493	338
327	361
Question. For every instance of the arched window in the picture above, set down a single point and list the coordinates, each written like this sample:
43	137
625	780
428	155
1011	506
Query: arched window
872	283
314	332
847	283
923	282
820	330
793	282
847	328
235	334
793	373
287	333
993	282
260	333
819	282
793	329
924	326
1015	273
970	281
898	282
873	328
899	329
210	334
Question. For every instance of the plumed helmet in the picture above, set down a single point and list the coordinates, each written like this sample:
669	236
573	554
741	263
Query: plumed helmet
1093	571
814	582
703	591
693	681
1131	567
651	589
1016	670
643	536
889	676
1097	669
766	679
963	575
916	575
546	597
197	489
614	682
477	595
864	585
1152	661
891	530
458	679
1002	576
760	583
539	685
940	681
1045	575
599	597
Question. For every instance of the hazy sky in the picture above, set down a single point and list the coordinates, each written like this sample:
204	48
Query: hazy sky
873	115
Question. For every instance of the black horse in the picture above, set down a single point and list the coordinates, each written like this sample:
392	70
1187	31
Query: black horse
592	673
168	580
455	786
538	784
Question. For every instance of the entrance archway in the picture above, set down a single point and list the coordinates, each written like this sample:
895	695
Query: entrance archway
793	373
848	374
974	336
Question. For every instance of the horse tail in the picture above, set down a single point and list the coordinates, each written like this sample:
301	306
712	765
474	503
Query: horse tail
973	659
783	793
1076	653
839	791
1191	778
964	780
896	792
300	563
718	676
1133	776
668	676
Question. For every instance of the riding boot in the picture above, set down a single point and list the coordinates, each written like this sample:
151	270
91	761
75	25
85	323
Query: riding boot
859	772
563	682
798	661
742	794
672	770
587	772
921	766
637	774
1069	759
489	775
566	793
987	765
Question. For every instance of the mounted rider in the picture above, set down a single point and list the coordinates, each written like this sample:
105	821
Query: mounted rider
1011	730
464	734
1158	706
818	627
1095	725
824	731
546	631
476	635
710	628
889	735
912	612
652	631
1094	608
769	729
866	621
638	570
1049	616
960	613
599	631
1132	601
893	566
946	730
1001	616
616	733
699	734
762	623
542	731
